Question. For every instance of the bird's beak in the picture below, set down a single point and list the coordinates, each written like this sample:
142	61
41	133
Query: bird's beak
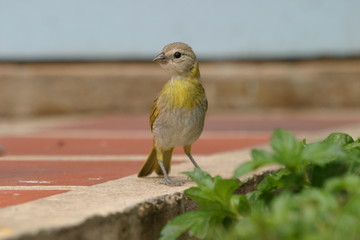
161	58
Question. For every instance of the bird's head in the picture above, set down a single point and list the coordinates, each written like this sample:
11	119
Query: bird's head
179	60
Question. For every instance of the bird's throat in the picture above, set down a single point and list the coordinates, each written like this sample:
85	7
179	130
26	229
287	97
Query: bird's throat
183	92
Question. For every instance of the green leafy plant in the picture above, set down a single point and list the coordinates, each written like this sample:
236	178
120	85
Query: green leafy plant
316	187
218	207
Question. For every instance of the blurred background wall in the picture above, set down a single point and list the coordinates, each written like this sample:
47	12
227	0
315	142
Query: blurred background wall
76	56
137	29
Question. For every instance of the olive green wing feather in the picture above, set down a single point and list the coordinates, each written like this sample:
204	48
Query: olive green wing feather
154	113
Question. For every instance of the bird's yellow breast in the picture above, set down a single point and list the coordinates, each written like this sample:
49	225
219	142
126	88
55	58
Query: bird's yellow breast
183	93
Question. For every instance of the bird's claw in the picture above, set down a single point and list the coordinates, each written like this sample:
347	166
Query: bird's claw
168	182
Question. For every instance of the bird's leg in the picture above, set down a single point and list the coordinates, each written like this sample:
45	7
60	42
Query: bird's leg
166	180
187	150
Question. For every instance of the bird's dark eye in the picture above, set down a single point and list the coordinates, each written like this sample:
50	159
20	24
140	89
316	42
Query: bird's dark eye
177	55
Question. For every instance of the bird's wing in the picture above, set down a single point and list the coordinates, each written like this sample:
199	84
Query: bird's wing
205	101
154	113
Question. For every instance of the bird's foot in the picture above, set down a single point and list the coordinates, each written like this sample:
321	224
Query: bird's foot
169	182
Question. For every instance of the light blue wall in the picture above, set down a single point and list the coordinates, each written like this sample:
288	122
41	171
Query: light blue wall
137	29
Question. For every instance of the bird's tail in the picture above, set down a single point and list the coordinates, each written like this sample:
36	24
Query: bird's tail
151	163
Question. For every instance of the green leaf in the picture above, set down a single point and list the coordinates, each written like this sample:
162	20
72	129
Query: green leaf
321	153
202	223
213	192
320	174
241	204
205	199
224	188
198	223
338	138
272	181
201	178
352	146
260	158
287	150
177	226
262	155
349	183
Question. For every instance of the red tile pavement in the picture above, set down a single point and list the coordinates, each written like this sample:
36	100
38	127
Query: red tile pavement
46	142
111	123
13	197
57	173
268	125
103	146
64	173
259	122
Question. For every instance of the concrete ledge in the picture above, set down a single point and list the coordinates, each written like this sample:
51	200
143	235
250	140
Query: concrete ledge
127	208
33	89
143	221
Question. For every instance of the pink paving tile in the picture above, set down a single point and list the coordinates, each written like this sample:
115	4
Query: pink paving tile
103	146
65	173
131	122
216	145
13	197
262	122
269	124
73	146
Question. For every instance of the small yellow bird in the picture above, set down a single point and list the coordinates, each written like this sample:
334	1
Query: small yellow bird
178	112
